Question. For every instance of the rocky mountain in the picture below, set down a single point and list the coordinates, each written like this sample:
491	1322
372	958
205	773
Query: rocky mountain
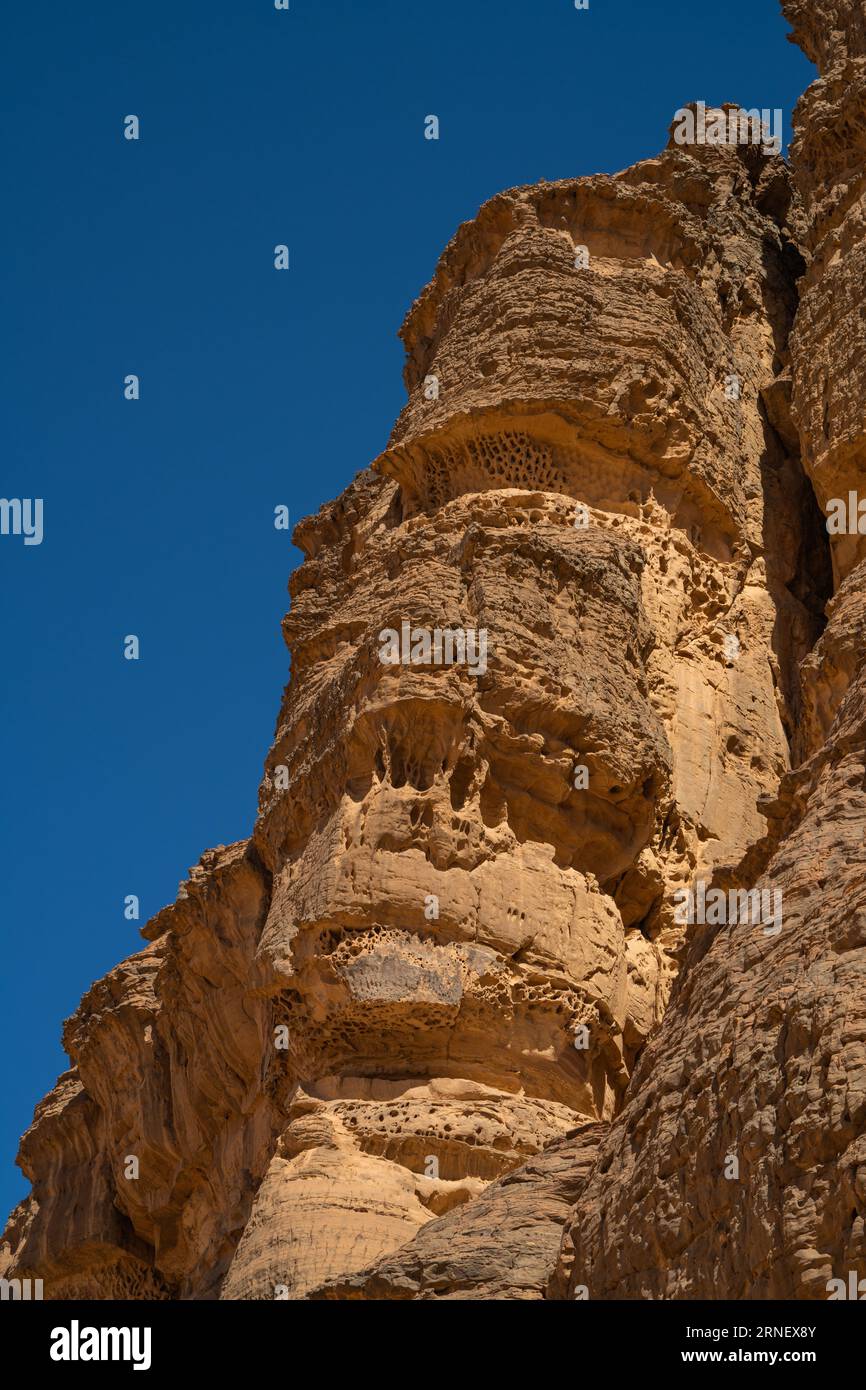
543	971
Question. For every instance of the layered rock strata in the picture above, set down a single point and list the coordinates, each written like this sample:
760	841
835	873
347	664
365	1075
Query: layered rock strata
737	1167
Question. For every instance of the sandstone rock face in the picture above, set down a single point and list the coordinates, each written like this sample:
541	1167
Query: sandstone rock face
503	1245
761	1058
829	341
556	658
608	648
167	1070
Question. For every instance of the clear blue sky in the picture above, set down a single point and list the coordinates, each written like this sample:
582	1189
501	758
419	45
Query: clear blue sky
258	387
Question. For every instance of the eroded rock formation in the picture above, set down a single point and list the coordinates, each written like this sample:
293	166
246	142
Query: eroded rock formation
762	1055
413	1039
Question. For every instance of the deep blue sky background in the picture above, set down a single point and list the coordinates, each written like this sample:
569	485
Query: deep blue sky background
257	127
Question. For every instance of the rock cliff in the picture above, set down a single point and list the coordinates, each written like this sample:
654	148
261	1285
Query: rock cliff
575	647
